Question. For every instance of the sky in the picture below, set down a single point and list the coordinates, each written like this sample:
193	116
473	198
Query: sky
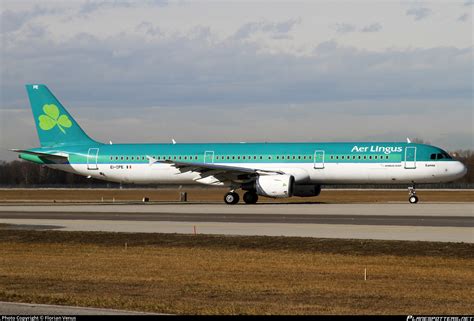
224	71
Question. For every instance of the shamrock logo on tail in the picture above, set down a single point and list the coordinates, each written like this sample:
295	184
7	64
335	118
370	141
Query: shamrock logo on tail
52	118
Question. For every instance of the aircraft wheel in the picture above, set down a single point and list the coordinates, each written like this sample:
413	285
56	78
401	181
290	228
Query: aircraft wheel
250	197
231	198
413	199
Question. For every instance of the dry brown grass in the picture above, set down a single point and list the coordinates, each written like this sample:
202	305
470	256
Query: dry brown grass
217	195
235	275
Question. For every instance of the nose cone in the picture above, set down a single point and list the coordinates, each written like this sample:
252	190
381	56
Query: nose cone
459	170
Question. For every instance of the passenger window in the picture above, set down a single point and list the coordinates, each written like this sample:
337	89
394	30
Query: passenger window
359	157
233	157
243	157
238	157
365	157
370	157
332	157
299	157
337	157
255	157
353	157
375	156
261	157
304	157
278	157
294	157
342	157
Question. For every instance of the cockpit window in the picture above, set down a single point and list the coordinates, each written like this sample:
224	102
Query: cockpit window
439	156
446	155
433	156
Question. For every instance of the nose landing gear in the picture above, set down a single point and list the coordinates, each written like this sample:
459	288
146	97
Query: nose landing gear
412	198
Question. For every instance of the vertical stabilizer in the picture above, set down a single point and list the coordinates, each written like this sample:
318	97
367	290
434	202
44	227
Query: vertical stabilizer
55	126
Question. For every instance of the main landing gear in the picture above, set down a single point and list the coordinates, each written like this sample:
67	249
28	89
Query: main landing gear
250	197
412	198
232	197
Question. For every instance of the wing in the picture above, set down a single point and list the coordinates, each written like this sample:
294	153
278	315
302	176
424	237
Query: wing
221	173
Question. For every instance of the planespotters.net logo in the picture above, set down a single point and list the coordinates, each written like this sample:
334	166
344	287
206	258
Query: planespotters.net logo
439	318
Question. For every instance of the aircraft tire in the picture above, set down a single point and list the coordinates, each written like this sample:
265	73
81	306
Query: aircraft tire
413	199
250	197
231	198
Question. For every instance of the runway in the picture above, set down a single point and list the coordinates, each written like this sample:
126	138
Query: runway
447	222
355	219
12	308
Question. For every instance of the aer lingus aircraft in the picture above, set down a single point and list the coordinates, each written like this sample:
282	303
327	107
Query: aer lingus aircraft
268	169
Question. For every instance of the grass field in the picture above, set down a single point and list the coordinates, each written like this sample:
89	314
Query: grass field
217	195
202	274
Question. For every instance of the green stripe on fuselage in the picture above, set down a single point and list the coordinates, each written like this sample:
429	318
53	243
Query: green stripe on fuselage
357	152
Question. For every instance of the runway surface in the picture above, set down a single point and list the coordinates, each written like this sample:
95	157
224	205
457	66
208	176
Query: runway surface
9	308
355	219
449	222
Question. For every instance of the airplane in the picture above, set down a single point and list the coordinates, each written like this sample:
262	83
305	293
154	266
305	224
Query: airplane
276	170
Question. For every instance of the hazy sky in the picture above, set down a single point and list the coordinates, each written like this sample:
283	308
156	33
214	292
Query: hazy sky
224	71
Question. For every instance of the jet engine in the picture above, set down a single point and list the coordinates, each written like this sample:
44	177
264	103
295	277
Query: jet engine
275	185
306	190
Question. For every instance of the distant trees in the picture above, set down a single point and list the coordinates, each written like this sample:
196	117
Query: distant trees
23	174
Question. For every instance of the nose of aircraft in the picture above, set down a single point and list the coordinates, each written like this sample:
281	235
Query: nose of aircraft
459	170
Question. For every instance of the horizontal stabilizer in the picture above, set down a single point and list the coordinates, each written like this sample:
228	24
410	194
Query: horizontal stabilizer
61	157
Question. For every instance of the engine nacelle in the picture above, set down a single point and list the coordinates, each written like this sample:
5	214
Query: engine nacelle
275	185
306	190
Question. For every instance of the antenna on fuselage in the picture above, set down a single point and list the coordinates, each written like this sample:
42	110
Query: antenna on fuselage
172	139
408	140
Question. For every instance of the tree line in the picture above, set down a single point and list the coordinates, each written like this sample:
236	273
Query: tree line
20	173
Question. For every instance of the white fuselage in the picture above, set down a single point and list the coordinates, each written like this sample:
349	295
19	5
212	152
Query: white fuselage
304	173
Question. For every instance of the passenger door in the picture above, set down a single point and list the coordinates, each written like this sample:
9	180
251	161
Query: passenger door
209	157
319	159
410	157
92	156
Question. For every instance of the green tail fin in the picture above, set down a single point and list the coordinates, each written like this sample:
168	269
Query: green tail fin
55	126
